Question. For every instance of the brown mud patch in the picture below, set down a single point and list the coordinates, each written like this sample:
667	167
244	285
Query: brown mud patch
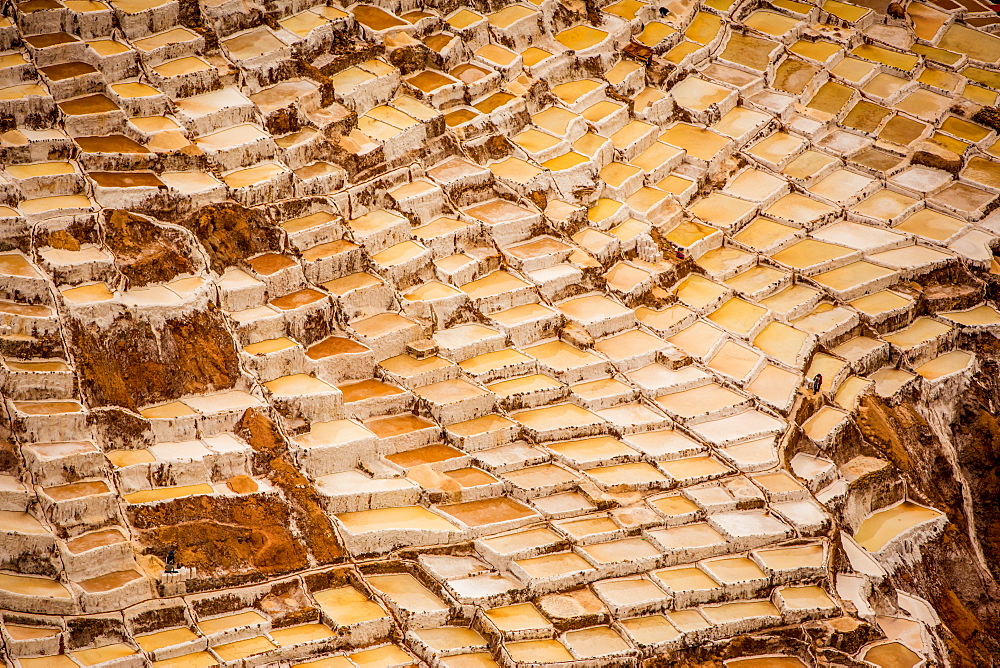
145	252
129	364
230	233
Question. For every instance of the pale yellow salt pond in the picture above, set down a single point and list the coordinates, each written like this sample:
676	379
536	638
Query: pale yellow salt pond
21	632
808	164
625	9
15	264
154	641
782	342
591	449
758	279
704	28
493	284
853	275
234	621
407	592
399	518
382	657
932	225
685	579
96	655
581	37
892	655
182	66
738	316
883	301
674	505
346	605
485	511
231	137
243	649
792	558
55	661
22	91
883	526
553	565
733	570
515	169
538	651
920	331
776	148
809	252
639	473
29	585
302	633
698	292
699	400
445	638
526	540
519	617
270	346
698	94
27	171
53	203
242	178
12	60
167	493
297	385
691	468
763	233
595	641
535	382
983	315
88	294
621	551
650	630
769	661
851	391
944	365
561	356
698	339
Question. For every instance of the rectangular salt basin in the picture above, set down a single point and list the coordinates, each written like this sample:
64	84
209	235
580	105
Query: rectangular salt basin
388	519
883	526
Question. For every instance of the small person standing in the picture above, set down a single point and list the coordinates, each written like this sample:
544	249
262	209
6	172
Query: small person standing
171	562
817	383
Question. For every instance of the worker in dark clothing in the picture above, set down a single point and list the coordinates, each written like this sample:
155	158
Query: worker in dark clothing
817	383
171	562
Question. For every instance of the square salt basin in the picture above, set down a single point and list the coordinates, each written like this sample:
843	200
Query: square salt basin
347	605
406	592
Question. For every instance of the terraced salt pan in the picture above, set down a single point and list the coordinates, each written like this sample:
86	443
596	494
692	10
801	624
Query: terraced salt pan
882	527
410	518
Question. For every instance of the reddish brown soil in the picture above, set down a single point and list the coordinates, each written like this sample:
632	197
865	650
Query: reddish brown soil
965	595
144	251
305	503
230	233
129	364
222	535
242	484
